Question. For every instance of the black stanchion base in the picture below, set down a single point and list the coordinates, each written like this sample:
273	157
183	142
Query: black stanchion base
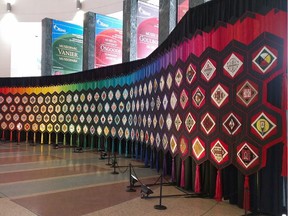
115	173
160	207
78	150
256	214
131	190
103	154
108	164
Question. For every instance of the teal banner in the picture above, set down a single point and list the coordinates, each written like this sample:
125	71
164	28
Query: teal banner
67	45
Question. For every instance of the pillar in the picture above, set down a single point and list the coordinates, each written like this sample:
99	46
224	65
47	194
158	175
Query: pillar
46	59
89	40
129	49
167	18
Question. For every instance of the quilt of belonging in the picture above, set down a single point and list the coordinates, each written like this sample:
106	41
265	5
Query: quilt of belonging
205	98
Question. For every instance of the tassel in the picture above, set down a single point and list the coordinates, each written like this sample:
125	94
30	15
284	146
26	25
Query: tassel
26	136
84	141
18	137
285	147
284	161
164	165
132	149
126	149
71	142
34	138
56	138
157	162
92	142
197	186
136	150
64	139
218	191
246	201
49	138
3	135
141	153
11	136
99	146
41	139
146	157
113	147
182	183
106	145
120	148
173	171
151	159
78	140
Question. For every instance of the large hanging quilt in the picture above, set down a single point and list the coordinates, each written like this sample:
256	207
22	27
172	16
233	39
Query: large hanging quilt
207	96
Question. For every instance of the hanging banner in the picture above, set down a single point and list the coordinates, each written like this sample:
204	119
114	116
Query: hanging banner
147	29
108	41
67	46
183	7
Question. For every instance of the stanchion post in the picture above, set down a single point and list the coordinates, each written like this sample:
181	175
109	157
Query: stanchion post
130	189
108	157
114	165
160	206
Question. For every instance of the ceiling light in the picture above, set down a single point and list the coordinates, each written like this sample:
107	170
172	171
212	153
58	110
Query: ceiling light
9	7
78	5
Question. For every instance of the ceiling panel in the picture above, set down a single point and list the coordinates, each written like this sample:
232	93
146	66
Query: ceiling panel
36	10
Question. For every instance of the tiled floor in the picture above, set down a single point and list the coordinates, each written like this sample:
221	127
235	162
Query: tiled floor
41	180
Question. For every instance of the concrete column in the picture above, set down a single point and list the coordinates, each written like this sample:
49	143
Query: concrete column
167	18
129	46
89	41
46	58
